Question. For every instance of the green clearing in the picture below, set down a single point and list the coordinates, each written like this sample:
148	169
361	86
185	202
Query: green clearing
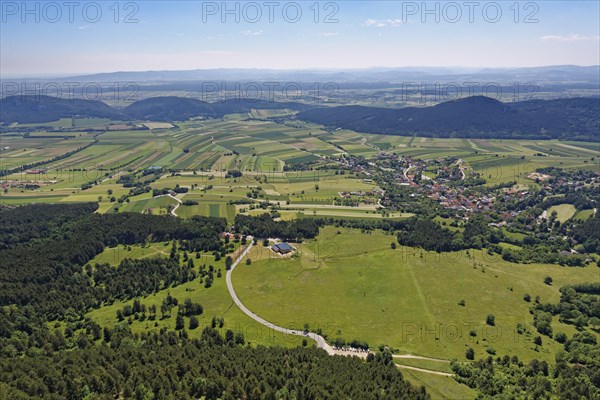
563	211
354	286
584	215
215	300
439	387
114	255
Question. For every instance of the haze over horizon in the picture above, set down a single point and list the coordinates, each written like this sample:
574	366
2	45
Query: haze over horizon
157	36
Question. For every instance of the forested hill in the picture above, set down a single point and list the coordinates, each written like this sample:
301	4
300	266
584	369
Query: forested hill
37	109
472	117
51	349
34	109
180	108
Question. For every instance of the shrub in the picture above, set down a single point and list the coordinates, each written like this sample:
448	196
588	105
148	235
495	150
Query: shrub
560	337
470	354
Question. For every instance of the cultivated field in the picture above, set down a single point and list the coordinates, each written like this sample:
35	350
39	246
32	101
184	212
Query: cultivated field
201	152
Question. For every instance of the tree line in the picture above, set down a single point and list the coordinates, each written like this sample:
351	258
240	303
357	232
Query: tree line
168	365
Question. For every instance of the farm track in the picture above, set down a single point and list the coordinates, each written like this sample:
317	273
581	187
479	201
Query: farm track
428	371
179	202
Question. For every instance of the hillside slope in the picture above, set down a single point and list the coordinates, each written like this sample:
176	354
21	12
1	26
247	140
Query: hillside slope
472	117
36	109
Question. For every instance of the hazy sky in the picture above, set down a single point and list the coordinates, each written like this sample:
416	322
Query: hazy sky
85	37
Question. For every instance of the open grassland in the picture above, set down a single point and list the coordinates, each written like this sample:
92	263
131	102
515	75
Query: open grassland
114	255
563	211
439	387
354	286
215	300
584	215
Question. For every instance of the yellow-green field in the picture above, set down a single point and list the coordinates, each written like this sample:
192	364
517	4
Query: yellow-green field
563	212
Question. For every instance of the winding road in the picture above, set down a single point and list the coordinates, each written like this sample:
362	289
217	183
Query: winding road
321	343
179	202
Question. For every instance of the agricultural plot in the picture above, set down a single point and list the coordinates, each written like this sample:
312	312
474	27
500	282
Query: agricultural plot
30	197
89	122
352	285
38	148
320	187
60	123
354	213
209	209
261	113
261	149
260	145
155	205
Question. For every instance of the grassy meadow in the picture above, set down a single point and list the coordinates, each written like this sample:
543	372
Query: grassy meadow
215	300
353	285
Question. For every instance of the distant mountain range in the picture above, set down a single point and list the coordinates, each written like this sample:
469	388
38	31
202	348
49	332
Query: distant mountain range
472	117
40	109
563	74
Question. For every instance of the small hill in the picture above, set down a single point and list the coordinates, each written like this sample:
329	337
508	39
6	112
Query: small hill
472	117
169	108
38	109
35	109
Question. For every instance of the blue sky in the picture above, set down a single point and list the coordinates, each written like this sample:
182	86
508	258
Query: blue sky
192	34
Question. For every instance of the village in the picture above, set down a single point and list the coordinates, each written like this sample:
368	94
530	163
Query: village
454	186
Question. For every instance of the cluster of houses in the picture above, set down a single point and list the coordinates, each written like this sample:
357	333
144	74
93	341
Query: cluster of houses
372	193
455	199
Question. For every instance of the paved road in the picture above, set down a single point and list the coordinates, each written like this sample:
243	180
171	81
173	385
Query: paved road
317	338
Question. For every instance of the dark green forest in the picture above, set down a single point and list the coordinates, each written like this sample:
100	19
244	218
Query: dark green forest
471	117
45	279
